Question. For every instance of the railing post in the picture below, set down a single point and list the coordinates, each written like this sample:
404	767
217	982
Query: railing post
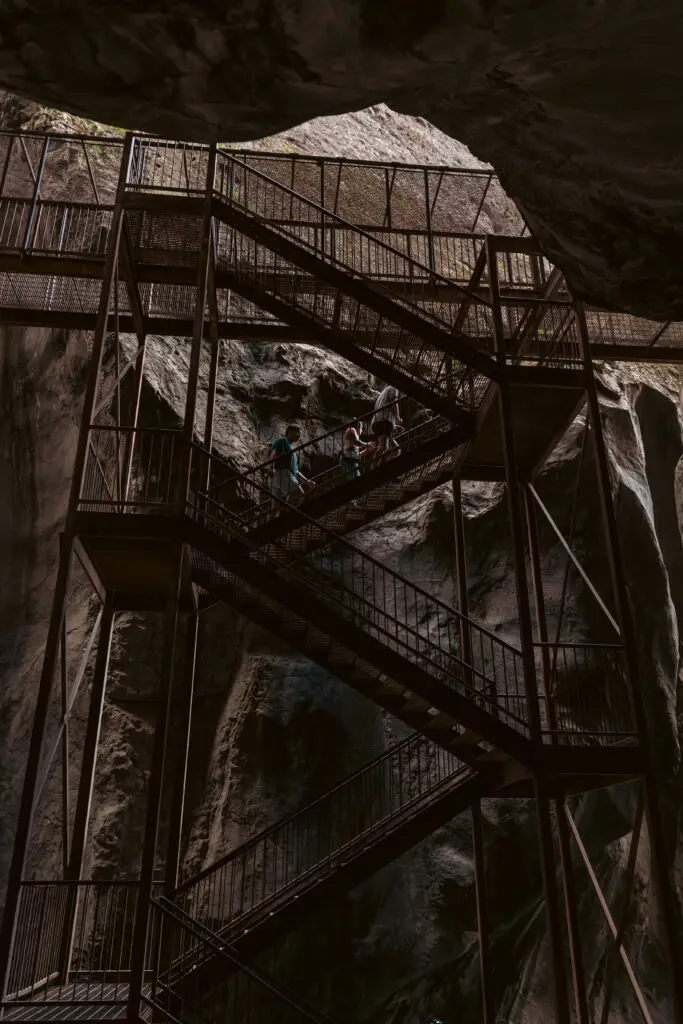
526	637
668	898
36	194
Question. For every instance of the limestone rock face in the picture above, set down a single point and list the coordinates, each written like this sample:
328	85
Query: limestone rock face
272	731
575	102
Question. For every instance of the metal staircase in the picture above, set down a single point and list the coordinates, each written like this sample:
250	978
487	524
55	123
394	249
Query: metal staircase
334	287
263	887
430	450
389	638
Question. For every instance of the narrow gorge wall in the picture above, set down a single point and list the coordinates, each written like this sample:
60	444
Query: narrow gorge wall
273	731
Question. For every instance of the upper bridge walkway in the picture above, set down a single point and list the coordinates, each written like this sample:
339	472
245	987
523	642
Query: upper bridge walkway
418	234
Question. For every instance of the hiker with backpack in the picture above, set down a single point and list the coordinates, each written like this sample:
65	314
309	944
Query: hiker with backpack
386	421
285	478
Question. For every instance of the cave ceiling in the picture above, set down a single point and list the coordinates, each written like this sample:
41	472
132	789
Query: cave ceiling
577	103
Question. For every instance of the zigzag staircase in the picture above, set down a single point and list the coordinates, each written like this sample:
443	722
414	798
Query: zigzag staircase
334	288
247	898
431	448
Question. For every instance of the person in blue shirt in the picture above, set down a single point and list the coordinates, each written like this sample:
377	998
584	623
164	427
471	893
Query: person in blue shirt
285	477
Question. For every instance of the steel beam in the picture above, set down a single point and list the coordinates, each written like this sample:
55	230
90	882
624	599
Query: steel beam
26	810
488	1012
530	684
181	751
27	805
614	954
86	784
568	881
577	565
477	829
155	793
608	917
203	271
668	897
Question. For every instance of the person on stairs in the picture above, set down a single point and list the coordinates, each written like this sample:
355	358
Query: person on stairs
286	480
353	450
386	421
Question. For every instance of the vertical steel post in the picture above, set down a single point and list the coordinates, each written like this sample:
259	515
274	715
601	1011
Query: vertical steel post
203	271
91	745
667	891
181	754
86	783
526	636
139	953
461	570
36	194
488	1013
25	817
568	884
66	811
477	830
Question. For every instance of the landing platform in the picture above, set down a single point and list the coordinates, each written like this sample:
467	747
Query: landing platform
131	558
541	416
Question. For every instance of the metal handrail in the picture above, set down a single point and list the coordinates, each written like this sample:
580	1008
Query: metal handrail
346	225
410	436
334	538
396	752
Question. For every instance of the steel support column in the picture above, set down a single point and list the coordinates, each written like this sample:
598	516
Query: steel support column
488	1014
526	637
74	871
668	897
568	882
26	808
181	752
155	793
203	272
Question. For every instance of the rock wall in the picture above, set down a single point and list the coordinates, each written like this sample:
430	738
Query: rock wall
273	731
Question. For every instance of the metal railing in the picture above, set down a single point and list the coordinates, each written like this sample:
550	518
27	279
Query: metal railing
381	603
392	195
585	698
72	943
341	244
130	468
312	843
359	589
262	274
588	692
322	461
237	991
53	228
164	166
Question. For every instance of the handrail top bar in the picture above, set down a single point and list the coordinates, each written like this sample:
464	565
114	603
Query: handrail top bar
223	147
434	275
20	133
394	751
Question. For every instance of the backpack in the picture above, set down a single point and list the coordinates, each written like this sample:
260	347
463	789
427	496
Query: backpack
282	448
